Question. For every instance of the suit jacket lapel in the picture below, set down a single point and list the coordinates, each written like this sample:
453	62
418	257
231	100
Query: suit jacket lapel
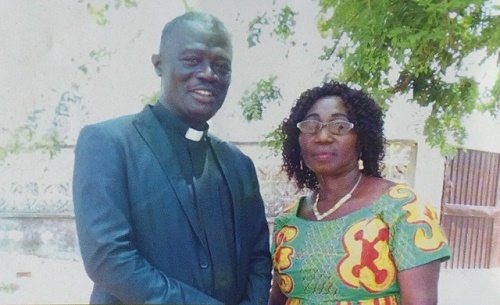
227	166
159	142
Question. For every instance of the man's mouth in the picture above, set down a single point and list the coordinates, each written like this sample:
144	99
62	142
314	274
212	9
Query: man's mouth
203	96
204	92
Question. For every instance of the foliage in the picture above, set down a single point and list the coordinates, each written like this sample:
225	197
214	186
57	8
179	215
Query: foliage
389	48
273	140
283	26
253	103
98	11
98	61
35	134
392	48
492	105
8	287
32	136
151	99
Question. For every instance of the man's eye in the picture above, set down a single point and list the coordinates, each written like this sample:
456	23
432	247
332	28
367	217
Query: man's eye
222	67
191	60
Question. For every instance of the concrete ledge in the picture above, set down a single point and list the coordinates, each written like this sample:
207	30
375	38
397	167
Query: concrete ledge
40	236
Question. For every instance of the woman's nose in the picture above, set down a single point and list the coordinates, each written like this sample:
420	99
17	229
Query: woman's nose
324	135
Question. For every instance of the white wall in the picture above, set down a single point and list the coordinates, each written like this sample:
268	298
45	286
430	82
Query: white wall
43	43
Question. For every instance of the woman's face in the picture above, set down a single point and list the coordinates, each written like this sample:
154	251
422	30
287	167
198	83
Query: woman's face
326	153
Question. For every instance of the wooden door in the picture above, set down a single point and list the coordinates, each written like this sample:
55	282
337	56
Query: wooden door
470	212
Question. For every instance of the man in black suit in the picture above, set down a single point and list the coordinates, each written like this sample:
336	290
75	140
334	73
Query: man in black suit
165	211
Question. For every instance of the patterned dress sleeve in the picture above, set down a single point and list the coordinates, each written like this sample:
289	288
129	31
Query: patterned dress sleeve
279	222
416	237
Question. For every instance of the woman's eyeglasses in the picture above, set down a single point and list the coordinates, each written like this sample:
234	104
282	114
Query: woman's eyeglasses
336	127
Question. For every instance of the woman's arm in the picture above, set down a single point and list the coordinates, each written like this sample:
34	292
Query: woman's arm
277	297
419	285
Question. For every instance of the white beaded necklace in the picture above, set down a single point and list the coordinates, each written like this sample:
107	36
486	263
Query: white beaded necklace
320	216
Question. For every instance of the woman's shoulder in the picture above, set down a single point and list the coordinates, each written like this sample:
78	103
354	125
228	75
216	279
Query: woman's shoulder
375	188
401	192
292	207
379	187
289	211
398	199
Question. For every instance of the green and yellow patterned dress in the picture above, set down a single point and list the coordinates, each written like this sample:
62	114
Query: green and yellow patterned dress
355	259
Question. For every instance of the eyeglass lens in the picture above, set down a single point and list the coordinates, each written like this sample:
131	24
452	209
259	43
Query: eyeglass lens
337	127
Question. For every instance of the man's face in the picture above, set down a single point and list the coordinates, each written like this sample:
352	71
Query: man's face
195	70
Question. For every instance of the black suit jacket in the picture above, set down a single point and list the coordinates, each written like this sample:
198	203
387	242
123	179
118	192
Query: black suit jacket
140	240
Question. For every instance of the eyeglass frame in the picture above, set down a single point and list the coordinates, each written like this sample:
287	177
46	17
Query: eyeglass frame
323	124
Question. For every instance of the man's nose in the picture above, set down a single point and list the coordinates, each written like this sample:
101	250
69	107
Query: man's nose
207	72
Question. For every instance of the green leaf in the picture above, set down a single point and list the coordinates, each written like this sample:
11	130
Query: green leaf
254	102
395	48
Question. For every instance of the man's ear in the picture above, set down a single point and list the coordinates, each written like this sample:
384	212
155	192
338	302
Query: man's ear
156	60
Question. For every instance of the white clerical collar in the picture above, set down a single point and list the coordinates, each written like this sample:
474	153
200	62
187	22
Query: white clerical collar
194	135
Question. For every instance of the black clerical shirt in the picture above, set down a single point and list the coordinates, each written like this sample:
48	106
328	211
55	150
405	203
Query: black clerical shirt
212	201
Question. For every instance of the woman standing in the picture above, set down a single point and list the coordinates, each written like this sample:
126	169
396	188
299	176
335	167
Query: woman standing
356	238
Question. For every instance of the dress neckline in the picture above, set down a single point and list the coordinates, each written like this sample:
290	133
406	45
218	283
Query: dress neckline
296	208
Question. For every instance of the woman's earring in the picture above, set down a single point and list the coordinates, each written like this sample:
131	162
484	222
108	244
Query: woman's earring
361	164
301	165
